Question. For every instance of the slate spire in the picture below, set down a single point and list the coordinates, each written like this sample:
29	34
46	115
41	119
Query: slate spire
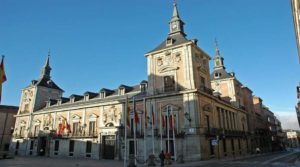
218	59
45	73
176	24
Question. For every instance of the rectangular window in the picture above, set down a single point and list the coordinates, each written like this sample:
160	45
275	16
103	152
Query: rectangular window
224	147
22	129
207	123
31	144
92	131
88	147
202	81
56	145
231	120
223	116
219	117
212	149
169	84
71	148
36	130
232	146
75	128
227	119
234	125
131	147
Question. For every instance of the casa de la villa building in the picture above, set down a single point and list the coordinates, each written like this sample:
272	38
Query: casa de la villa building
176	110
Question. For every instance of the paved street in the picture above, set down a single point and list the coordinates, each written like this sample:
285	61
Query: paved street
282	159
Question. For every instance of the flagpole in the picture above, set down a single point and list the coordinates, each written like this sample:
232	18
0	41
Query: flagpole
168	127
152	113
174	139
125	122
160	127
145	121
134	130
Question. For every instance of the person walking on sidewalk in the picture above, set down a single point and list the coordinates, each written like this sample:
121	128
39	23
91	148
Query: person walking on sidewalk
162	158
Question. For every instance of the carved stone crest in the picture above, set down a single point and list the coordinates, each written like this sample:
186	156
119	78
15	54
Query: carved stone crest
111	115
48	120
169	61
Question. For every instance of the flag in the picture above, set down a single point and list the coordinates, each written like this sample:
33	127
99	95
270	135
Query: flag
171	121
2	76
153	120
146	118
136	117
128	117
162	120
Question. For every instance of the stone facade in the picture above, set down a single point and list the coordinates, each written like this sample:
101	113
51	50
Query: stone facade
175	110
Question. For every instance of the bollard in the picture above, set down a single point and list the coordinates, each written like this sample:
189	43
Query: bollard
151	160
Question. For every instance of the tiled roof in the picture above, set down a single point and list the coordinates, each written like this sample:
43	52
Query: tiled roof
177	40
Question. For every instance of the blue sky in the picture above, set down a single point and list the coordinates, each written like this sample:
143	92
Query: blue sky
96	44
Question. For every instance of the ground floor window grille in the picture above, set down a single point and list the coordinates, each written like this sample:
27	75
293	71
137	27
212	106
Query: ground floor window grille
88	150
56	147
71	148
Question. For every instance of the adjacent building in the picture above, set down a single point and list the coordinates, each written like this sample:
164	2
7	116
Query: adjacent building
298	105
296	11
7	123
182	108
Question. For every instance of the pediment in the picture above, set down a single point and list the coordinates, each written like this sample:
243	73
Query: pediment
167	69
93	116
76	117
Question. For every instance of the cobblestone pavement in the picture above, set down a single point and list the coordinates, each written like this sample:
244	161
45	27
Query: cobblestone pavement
57	162
280	159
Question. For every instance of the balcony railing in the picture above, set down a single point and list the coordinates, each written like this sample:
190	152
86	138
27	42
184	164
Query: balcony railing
80	134
168	90
18	136
242	107
206	90
220	131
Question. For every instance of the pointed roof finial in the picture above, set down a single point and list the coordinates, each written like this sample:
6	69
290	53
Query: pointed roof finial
175	11
49	51
47	64
217	47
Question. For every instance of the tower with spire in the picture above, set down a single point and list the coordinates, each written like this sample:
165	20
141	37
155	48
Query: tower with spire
218	59
176	24
179	58
225	83
35	95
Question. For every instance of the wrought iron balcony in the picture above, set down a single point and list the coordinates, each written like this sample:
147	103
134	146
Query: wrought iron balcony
206	90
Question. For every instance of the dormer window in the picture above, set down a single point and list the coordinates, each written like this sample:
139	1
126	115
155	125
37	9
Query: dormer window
59	101
169	41
102	95
143	87
72	99
86	97
121	91
218	75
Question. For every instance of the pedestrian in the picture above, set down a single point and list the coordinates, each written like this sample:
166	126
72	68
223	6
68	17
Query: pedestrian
257	150
162	158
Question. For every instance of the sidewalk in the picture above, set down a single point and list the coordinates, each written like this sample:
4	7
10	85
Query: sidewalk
203	162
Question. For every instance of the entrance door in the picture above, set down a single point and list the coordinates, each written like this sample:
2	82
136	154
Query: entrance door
42	146
108	147
171	150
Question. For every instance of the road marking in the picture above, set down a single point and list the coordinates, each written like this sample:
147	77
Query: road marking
273	159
